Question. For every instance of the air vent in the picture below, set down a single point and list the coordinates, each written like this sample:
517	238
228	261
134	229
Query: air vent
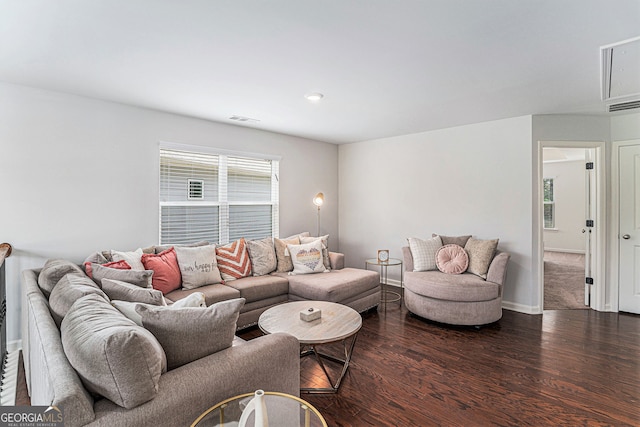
243	119
196	189
624	106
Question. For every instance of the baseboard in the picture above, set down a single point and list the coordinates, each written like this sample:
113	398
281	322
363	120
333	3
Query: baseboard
567	251
393	282
14	345
521	308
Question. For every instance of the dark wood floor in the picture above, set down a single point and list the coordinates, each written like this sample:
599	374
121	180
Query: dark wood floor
568	367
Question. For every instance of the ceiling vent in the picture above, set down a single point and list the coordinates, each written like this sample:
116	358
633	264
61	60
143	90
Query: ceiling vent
623	106
620	83
243	119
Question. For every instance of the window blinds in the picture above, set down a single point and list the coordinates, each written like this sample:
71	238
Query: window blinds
216	197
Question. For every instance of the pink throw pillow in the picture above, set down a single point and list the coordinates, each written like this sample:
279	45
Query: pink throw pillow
166	272
452	259
119	265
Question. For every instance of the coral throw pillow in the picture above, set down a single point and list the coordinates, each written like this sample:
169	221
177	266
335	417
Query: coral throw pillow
452	259
166	272
233	260
119	265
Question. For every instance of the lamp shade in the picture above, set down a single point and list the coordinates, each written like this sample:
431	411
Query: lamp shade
318	200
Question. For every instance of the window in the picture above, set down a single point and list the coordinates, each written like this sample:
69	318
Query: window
217	197
549	203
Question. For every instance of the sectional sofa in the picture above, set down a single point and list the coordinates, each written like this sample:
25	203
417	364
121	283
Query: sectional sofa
180	394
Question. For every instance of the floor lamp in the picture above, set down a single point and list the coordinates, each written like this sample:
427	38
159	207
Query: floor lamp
318	200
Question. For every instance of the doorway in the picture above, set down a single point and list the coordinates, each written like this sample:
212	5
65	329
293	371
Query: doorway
566	206
583	252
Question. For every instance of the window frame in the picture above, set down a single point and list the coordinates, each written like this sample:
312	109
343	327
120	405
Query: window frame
551	203
222	203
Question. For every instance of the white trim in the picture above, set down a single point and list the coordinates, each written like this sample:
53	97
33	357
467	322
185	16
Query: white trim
14	345
212	150
598	300
521	308
614	270
566	251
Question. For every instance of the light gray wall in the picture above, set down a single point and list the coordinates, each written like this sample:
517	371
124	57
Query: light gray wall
625	127
569	194
80	175
473	179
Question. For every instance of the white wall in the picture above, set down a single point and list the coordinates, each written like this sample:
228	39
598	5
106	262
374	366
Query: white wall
80	175
625	127
473	179
569	193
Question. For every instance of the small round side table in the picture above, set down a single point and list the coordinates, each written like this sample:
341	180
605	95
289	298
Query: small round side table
387	295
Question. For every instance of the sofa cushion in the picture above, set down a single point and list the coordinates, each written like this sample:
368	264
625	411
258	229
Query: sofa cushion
452	259
282	253
212	293
453	240
118	265
162	248
113	356
119	290
198	266
233	260
460	287
133	258
307	258
262	255
325	248
335	286
424	252
128	308
140	278
187	334
69	289
166	272
53	271
260	288
480	255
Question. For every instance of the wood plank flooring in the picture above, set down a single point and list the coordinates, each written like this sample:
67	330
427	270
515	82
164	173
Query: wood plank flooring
569	367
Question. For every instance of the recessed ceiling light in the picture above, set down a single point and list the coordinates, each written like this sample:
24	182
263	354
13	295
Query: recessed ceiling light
314	97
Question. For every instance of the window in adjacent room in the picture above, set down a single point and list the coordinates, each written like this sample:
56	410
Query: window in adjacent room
549	203
217	196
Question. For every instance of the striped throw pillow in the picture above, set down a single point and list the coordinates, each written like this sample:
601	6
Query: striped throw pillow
233	260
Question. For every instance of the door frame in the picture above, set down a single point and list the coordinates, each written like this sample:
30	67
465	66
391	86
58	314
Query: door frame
599	291
614	273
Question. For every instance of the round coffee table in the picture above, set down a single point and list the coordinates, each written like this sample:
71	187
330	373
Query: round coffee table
337	323
283	410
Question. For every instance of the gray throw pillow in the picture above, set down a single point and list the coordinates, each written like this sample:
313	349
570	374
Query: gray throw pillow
128	308
262	255
480	255
69	289
140	278
188	334
198	266
117	289
282	253
161	248
53	271
113	356
453	240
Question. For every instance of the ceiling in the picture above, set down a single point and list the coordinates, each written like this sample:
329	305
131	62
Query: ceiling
385	68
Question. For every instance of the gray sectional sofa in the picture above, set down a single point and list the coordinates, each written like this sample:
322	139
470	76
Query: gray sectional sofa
270	362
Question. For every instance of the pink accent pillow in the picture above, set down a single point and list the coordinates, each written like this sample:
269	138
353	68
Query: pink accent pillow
119	265
452	259
166	271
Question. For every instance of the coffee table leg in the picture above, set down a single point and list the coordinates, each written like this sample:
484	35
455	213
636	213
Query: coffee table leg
348	352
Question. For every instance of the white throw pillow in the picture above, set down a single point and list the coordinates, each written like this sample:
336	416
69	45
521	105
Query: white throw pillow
307	258
424	253
128	308
132	258
198	266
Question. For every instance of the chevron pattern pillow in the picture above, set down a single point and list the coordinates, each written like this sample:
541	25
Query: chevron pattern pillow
233	260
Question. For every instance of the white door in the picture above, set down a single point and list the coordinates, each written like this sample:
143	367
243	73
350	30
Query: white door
629	233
